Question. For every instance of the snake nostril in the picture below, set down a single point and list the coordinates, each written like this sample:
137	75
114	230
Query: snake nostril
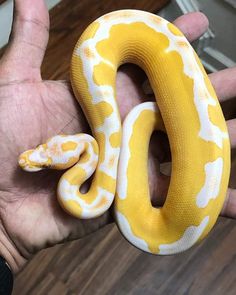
22	162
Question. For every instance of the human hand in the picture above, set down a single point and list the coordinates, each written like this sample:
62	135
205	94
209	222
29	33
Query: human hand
33	110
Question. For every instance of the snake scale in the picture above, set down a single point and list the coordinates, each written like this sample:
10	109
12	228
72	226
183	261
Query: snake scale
187	109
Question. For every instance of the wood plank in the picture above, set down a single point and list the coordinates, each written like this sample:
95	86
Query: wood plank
105	263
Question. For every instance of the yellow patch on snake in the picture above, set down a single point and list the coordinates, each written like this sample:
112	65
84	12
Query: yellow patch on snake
71	207
101	138
106	109
68	146
78	172
101	73
109	182
115	139
95	147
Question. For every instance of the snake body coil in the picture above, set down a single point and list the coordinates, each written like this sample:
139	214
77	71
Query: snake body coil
192	119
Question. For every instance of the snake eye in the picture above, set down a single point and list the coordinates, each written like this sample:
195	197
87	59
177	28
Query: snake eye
43	155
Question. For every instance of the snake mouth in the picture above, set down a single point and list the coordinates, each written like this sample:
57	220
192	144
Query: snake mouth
27	166
27	161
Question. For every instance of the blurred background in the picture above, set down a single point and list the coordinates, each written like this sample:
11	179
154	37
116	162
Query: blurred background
216	47
6	12
104	263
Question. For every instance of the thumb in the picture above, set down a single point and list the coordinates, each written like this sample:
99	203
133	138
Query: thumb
28	39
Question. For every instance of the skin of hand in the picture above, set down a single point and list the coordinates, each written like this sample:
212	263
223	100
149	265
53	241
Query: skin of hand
32	110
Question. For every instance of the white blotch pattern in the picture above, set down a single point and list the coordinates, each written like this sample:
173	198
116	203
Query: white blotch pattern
210	190
112	123
68	192
88	166
189	238
127	232
55	152
38	156
202	98
107	129
128	125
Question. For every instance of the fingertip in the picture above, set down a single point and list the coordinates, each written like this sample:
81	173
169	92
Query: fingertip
224	83
193	24
200	16
29	37
31	9
203	18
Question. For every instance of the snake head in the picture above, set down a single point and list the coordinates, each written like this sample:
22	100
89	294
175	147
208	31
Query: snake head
35	160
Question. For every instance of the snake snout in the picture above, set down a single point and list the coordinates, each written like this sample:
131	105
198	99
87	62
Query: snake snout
34	160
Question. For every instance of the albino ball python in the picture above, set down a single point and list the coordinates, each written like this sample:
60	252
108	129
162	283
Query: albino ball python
192	118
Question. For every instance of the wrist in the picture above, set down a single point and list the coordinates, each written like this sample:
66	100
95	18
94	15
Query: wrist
9	252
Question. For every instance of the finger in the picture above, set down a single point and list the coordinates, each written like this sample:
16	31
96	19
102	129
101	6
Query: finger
224	83
192	25
231	124
29	34
229	208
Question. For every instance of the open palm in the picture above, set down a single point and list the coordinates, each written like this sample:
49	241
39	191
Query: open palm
31	111
29	211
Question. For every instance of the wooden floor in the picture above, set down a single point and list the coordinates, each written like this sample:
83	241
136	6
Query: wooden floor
105	263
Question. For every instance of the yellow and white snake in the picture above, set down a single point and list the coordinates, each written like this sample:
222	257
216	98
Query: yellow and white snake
118	157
